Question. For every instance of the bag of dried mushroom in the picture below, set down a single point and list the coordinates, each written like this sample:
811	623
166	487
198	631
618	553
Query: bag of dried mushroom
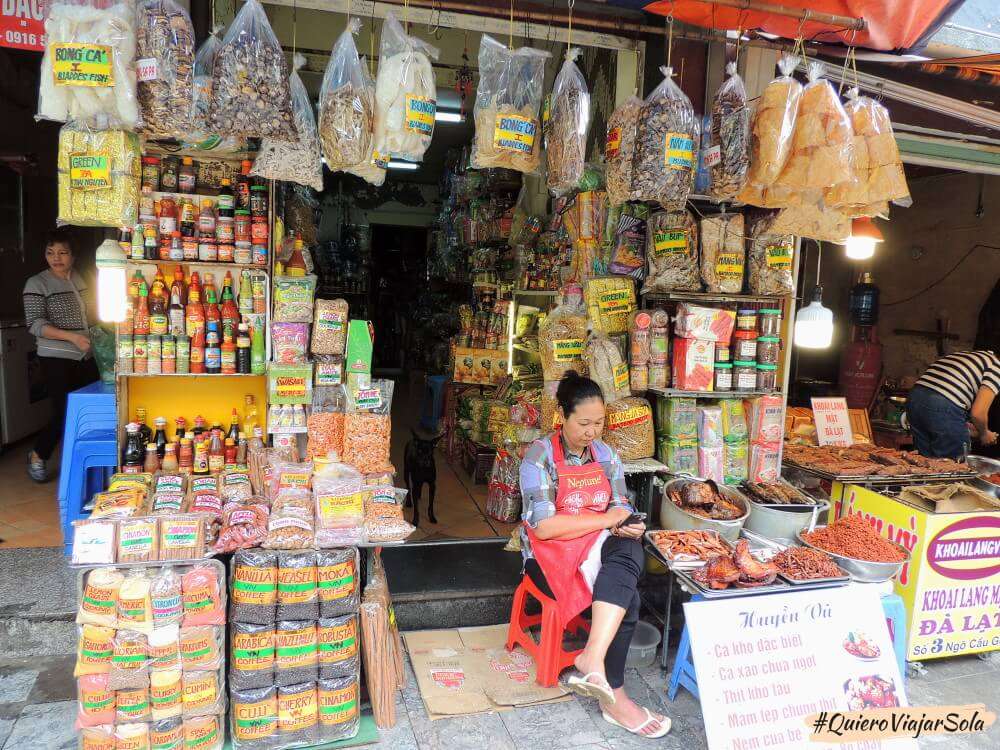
730	136
508	132
722	254
200	138
672	253
566	133
405	93
619	148
296	160
666	143
250	96
346	104
165	65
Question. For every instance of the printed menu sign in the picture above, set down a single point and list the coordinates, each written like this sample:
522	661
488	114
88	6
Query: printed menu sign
765	663
833	424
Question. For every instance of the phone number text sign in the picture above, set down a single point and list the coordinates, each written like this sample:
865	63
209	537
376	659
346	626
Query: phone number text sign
764	663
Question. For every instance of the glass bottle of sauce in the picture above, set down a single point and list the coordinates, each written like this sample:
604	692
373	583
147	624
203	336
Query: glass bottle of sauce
188	216
206	219
152	463
199	426
160	436
227	355
243	350
226	201
134	454
168	216
216	454
158	323
169	170
187	176
170	462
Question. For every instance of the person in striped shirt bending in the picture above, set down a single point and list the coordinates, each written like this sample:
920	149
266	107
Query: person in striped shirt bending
958	388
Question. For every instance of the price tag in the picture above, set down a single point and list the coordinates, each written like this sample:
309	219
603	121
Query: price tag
146	69
713	156
832	420
76	64
89	172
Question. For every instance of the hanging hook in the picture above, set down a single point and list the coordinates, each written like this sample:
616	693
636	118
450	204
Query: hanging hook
435	28
569	29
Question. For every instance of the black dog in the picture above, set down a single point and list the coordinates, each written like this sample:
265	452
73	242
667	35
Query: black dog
419	469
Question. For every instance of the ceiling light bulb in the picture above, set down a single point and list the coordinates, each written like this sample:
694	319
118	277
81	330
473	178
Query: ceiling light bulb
864	236
814	323
112	294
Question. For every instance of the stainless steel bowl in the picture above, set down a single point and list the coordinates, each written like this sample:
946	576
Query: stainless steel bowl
983	465
673	517
782	523
863	570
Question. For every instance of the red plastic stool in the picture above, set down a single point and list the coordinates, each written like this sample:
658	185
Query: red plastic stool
549	655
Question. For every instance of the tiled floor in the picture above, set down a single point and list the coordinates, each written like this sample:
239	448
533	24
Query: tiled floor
29	512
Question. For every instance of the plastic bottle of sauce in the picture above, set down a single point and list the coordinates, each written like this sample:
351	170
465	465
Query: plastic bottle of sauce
257	366
243	185
230	453
249	413
158	323
169	462
226	201
180	283
134	454
194	312
216	454
212	314
149	244
140	320
199	426
246	294
241	450
206	219
151	465
136	251
185	456
200	463
167	216
243	350
296	265
227	355
176	251
228	311
213	349
187	176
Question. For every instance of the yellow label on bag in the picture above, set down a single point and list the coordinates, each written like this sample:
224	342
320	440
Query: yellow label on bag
295	648
729	266
253	652
253	585
613	143
337	642
669	242
515	133
678	151
89	172
620	375
333	509
419	117
335	581
628	417
201	733
338	706
566	350
75	64
618	301
298	711
296	585
200	690
255	720
779	256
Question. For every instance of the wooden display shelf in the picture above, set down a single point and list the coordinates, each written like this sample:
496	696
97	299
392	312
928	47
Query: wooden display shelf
198	264
720	297
190	375
677	393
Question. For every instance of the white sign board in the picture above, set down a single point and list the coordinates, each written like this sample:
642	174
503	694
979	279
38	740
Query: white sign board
764	663
833	423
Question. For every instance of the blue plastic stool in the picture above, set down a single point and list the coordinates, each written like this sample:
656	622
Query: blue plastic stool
684	675
433	403
87	454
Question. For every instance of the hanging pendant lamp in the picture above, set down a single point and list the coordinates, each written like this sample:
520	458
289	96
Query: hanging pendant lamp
814	322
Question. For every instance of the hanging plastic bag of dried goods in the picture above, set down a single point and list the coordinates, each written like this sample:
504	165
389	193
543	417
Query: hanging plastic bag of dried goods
346	104
98	173
405	92
165	67
250	96
876	168
372	168
619	148
664	161
508	132
769	256
771	130
296	160
821	139
562	335
730	137
88	68
607	368
566	132
722	254
672	253
199	138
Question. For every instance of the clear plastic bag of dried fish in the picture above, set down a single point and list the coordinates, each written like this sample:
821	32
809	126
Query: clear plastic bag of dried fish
619	149
672	253
346	104
405	92
508	131
607	367
165	67
298	160
566	133
250	96
769	256
722	253
199	137
666	144
88	67
372	168
731	136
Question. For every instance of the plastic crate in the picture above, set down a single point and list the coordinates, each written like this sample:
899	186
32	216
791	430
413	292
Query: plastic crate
478	461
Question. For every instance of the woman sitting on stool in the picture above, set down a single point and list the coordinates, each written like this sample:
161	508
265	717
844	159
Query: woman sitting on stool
573	487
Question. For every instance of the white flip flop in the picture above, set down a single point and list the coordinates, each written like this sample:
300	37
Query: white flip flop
600	691
664	725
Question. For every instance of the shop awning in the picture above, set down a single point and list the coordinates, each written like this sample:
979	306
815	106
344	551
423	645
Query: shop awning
891	25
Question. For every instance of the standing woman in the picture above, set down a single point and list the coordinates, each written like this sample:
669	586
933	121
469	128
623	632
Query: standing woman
573	486
56	315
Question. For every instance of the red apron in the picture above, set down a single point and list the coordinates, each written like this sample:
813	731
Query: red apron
581	489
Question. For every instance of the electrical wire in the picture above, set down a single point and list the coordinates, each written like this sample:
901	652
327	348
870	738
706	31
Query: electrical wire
949	273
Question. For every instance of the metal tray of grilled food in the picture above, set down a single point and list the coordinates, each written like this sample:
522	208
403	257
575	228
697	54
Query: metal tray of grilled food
731	591
877	479
806	503
815	583
678	564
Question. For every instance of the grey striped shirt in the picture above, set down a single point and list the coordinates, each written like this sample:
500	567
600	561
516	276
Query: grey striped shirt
49	300
959	376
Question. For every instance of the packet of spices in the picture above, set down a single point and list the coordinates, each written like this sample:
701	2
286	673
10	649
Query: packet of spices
94	649
129	661
298	714
337	639
132	705
182	537
165	648
203	733
254	718
254	589
166	735
165	694
298	598
337	580
251	663
201	694
201	648
295	652
165	593
339	712
138	540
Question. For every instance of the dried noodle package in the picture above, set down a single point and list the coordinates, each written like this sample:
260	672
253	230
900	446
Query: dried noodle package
508	133
346	104
672	253
821	140
98	175
769	259
664	162
202	138
250	96
619	148
610	301
628	428
405	93
562	335
566	133
165	65
771	129
298	159
722	253
88	68
607	368
731	136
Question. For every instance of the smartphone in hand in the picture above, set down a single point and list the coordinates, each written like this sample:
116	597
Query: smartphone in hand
633	519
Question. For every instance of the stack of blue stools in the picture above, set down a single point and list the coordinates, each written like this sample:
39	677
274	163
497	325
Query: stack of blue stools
433	402
90	451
